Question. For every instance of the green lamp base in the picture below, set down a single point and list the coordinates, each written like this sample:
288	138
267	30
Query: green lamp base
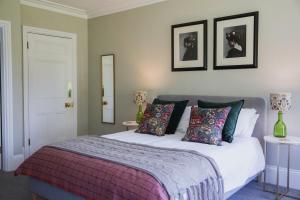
280	129
139	115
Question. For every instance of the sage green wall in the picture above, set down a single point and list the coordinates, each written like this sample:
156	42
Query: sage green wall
141	40
10	11
55	21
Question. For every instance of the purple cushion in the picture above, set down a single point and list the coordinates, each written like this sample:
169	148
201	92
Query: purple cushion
206	125
156	119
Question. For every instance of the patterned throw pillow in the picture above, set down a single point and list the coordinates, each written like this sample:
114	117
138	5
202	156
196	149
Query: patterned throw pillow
206	125
156	119
230	124
177	113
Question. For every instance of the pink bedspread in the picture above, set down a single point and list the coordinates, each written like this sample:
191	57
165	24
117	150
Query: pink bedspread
91	178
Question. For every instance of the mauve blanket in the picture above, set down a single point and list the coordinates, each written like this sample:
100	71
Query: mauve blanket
99	168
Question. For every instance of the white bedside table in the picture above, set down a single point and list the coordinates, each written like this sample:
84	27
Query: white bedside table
289	141
130	125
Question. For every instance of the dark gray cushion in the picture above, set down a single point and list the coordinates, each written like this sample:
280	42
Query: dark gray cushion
176	115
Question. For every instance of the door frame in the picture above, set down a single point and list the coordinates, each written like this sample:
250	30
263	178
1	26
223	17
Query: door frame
27	30
9	159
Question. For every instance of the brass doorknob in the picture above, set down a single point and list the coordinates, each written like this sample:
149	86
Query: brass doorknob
104	103
69	105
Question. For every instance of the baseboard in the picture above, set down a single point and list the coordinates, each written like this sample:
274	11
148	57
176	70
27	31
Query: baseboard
294	176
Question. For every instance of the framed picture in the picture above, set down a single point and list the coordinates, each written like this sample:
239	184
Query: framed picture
236	41
189	46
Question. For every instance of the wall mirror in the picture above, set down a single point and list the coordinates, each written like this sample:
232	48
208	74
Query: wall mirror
108	88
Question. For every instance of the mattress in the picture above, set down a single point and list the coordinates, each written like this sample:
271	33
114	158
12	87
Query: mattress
237	161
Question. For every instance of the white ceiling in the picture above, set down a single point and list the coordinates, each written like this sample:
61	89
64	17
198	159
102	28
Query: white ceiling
88	8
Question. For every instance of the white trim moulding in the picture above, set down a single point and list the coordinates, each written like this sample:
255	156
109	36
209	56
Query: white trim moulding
76	12
119	8
56	7
10	161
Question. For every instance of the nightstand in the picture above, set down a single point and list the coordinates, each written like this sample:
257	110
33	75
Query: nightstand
130	125
288	141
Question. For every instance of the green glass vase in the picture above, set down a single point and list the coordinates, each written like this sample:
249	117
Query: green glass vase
139	114
280	127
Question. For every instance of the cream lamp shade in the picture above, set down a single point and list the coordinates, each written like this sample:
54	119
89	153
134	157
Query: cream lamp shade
281	101
140	97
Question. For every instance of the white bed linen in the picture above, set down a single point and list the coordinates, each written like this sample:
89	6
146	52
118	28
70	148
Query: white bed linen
237	161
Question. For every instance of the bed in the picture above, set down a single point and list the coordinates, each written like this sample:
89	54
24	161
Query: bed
244	155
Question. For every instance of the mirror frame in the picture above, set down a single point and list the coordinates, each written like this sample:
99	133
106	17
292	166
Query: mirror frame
114	88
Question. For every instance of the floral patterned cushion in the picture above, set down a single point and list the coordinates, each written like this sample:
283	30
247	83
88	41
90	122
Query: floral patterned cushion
156	119
206	125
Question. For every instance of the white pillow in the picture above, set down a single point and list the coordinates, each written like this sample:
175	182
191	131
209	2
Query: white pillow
185	120
246	122
249	131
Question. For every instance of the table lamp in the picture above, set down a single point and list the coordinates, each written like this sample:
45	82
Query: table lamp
280	102
139	99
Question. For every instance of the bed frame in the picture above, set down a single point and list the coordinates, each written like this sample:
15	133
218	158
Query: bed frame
41	190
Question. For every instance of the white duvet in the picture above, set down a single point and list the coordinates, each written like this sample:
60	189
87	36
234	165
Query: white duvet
237	161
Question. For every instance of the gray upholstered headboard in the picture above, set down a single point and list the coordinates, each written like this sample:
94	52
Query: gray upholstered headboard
250	102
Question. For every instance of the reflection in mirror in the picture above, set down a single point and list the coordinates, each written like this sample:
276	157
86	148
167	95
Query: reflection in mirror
108	89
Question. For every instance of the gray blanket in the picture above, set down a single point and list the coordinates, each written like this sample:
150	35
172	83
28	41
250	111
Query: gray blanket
184	174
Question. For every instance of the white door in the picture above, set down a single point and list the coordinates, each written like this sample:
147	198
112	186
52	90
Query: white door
51	115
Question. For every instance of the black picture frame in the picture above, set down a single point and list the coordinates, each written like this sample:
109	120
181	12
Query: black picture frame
204	47
254	51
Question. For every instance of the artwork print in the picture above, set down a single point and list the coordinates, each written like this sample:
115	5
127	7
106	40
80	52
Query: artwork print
189	46
236	41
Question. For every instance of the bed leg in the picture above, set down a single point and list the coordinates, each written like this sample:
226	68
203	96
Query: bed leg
35	197
259	178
